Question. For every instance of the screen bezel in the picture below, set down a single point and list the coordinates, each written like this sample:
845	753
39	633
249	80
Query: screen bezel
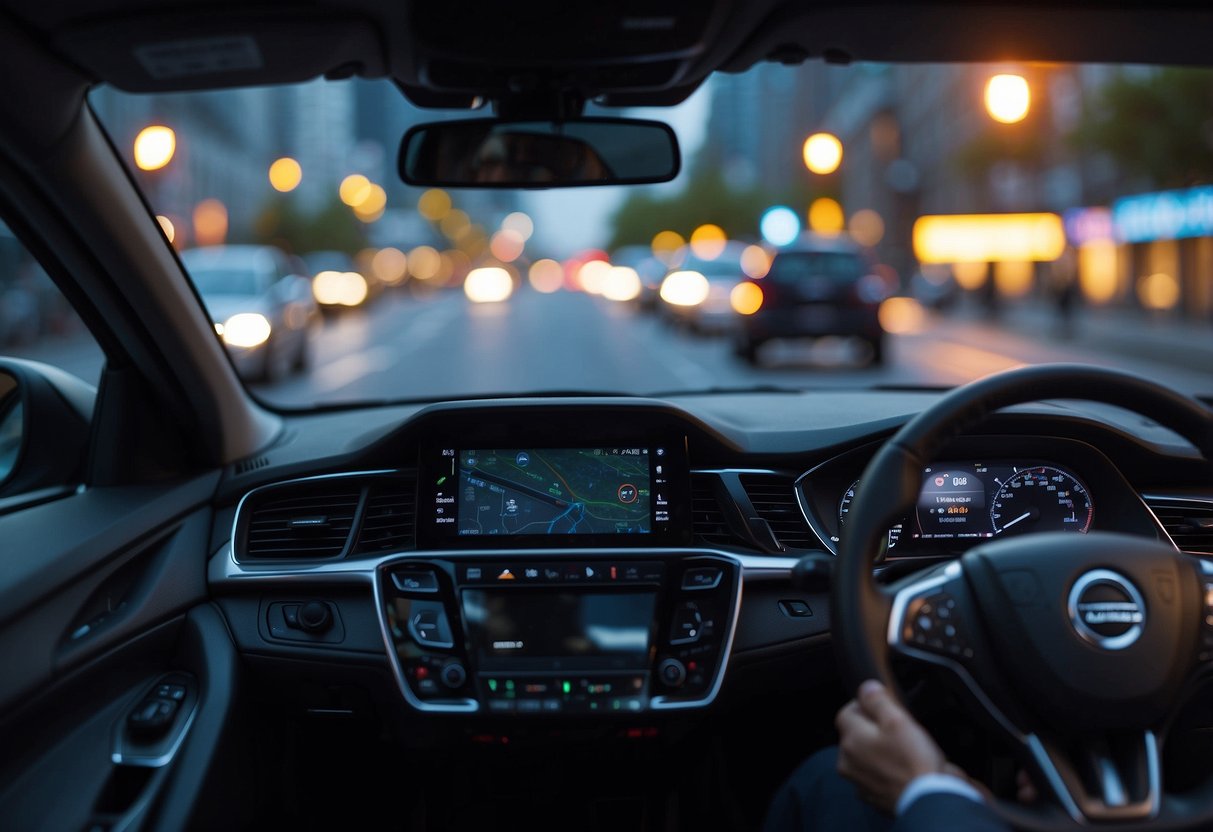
676	533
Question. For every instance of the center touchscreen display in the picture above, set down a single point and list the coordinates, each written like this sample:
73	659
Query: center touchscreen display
522	630
552	492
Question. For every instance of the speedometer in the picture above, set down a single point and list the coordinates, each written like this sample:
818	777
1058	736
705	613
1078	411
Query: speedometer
1041	499
844	508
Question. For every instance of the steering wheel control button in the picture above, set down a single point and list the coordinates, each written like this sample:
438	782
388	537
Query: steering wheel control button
795	609
416	579
933	623
702	577
1106	609
672	673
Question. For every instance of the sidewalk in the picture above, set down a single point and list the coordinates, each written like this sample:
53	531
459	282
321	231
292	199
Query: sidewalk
1164	339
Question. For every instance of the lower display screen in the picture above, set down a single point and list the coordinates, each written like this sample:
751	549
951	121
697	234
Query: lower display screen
540	631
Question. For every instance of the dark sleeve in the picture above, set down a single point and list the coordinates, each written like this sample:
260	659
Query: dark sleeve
948	813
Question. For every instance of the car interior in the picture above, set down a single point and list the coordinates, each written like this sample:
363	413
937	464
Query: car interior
218	613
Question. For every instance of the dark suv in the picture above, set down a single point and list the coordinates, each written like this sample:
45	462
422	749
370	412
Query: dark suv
816	287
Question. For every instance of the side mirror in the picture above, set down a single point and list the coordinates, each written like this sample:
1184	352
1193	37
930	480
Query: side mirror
44	426
490	153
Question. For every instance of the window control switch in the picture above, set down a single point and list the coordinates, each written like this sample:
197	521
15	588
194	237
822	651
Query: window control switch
152	716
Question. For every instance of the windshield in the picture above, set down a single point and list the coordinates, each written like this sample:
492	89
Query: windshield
856	226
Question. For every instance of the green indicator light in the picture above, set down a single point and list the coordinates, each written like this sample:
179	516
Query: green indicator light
568	687
509	684
593	706
615	704
492	684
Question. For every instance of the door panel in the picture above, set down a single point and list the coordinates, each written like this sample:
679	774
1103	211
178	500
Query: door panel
102	593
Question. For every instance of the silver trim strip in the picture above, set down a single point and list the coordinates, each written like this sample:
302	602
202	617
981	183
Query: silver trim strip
225	570
1046	765
454	706
666	703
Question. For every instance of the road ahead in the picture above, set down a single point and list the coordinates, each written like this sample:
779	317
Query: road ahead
446	347
443	347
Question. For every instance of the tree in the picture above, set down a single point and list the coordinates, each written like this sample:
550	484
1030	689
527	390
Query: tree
333	228
1155	126
706	199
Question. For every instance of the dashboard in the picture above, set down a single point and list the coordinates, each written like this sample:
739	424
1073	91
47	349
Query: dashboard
570	558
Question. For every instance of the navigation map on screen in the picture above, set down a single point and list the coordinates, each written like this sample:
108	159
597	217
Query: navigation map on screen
546	491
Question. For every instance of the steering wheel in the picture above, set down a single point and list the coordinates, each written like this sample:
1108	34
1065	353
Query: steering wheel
1079	648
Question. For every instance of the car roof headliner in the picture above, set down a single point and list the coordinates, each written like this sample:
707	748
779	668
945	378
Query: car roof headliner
635	52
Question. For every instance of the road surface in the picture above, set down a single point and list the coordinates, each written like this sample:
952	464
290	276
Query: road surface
442	346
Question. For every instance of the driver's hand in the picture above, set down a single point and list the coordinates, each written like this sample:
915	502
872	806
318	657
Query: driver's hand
882	748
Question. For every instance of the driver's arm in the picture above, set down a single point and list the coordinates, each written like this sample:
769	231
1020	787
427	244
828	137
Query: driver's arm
897	766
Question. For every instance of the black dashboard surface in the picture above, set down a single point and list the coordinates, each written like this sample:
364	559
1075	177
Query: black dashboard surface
760	483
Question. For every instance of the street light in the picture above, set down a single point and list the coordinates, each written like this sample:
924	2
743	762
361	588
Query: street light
285	174
154	147
822	153
1008	98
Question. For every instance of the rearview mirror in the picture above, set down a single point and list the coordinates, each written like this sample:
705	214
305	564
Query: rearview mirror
488	153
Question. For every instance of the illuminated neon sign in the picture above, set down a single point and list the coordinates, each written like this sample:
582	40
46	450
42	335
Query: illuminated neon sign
1166	215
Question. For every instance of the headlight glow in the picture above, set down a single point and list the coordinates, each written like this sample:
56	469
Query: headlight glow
247	330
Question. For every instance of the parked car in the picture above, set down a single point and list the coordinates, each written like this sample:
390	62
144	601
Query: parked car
816	287
262	308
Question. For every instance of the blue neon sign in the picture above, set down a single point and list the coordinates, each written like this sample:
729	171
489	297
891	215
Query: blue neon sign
1166	215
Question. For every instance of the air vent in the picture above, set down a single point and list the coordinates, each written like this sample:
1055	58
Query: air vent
301	520
708	520
774	499
390	520
1189	522
245	466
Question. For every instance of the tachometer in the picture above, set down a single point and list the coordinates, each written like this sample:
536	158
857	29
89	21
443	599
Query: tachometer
844	508
1041	499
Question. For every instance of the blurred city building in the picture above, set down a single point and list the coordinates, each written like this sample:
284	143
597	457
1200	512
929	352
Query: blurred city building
918	141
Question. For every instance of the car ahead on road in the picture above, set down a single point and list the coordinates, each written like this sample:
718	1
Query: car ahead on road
263	310
648	268
569	603
817	287
336	282
698	291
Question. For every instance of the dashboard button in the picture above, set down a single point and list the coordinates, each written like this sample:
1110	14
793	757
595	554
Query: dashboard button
415	580
702	577
796	609
687	626
672	673
429	627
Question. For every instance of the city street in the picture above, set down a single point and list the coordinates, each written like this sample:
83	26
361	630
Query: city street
442	346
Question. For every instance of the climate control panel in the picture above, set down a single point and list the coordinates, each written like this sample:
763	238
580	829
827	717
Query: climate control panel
539	635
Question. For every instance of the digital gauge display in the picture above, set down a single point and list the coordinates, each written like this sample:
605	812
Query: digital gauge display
978	500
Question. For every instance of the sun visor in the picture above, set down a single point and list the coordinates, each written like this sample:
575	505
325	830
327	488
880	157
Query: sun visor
167	52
